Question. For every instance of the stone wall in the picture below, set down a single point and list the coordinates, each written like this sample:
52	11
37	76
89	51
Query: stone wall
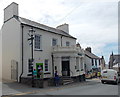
42	83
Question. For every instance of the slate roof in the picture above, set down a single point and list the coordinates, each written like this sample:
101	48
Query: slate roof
91	55
43	27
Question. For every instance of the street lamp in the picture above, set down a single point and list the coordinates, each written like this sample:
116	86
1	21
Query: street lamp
31	34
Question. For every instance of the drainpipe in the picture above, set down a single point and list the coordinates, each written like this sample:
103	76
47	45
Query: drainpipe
22	54
52	65
61	40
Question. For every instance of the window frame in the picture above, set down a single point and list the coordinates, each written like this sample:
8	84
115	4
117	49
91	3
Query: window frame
55	40
46	65
67	42
30	71
92	62
95	62
40	42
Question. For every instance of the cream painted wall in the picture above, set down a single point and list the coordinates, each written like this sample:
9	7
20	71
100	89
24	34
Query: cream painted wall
71	40
11	41
47	48
72	60
88	63
10	10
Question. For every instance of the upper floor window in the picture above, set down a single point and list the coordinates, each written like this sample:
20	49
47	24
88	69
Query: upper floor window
38	42
92	62
67	43
54	42
96	62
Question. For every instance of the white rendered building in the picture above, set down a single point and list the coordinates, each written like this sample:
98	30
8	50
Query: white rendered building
54	48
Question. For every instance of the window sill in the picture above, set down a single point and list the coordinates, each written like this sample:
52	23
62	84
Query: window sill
47	73
29	74
38	50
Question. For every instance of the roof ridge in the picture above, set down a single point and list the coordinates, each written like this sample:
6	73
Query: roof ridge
42	26
35	22
91	53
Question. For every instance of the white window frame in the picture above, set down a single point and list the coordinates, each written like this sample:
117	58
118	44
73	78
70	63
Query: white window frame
56	42
47	65
67	43
40	46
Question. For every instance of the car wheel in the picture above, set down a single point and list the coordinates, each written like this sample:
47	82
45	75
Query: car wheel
116	82
102	81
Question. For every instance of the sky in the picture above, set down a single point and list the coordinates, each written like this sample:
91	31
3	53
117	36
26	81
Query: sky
93	22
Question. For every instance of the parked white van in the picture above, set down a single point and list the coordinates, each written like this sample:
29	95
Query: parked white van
109	75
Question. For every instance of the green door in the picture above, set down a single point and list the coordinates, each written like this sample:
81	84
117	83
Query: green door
39	65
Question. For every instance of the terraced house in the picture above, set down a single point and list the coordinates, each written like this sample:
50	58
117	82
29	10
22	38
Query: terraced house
54	48
92	61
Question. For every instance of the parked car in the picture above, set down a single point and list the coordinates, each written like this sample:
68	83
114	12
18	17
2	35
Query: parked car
110	75
88	76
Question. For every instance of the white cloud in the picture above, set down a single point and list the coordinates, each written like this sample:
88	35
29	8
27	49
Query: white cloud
93	23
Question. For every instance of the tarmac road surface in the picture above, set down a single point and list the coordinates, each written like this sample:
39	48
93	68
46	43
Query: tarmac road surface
90	87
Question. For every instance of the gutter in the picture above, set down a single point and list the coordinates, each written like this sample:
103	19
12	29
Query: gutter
22	55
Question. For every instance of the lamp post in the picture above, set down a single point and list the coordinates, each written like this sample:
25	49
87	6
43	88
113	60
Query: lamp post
31	34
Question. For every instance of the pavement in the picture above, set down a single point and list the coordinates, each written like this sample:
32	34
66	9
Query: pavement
90	87
14	88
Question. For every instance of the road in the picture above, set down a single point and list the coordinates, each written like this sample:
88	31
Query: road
90	87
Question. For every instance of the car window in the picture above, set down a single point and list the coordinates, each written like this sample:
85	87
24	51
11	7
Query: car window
104	71
118	74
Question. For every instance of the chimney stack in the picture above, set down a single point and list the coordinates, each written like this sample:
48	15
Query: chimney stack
88	49
10	11
78	45
64	27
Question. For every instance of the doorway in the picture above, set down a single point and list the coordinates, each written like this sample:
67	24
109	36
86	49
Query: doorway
38	67
65	68
14	70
